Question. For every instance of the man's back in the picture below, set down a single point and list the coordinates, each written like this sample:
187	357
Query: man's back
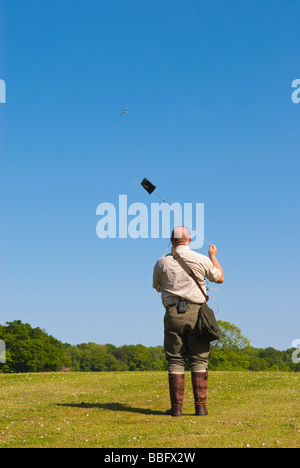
174	282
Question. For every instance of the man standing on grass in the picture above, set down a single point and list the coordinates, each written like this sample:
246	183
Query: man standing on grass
182	341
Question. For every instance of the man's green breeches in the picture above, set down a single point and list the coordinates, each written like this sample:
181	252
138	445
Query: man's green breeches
183	342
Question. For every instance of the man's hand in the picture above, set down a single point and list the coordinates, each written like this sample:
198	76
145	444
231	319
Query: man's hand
212	251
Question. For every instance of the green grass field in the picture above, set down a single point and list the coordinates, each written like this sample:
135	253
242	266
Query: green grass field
126	410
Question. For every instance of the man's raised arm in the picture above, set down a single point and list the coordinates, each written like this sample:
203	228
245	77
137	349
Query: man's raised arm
212	254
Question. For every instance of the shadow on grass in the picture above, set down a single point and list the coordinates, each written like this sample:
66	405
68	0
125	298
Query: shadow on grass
113	407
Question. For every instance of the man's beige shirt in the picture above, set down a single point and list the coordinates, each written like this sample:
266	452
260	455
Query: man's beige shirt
175	282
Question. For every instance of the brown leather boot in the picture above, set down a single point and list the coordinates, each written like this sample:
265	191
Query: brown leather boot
199	381
176	384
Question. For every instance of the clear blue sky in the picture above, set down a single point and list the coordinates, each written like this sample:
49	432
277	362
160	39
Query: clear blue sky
210	119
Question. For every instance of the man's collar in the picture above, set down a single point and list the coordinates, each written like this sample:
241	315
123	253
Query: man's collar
182	247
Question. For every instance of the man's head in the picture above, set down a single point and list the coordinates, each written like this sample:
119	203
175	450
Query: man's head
181	236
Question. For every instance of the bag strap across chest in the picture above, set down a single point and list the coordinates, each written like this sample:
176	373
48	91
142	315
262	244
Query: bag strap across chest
189	271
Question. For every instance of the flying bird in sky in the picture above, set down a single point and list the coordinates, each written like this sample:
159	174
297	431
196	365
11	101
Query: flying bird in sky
124	112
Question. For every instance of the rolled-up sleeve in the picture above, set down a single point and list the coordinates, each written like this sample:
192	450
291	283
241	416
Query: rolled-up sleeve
212	273
157	276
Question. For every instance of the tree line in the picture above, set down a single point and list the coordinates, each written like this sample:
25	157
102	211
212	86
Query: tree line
34	350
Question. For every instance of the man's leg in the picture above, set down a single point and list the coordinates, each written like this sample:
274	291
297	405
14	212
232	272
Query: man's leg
198	353
175	353
199	382
176	386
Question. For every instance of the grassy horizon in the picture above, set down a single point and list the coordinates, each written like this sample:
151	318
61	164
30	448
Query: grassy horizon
126	410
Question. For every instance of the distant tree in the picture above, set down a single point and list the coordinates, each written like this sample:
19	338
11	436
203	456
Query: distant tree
31	349
159	358
139	357
92	357
228	353
228	359
258	364
270	358
231	337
